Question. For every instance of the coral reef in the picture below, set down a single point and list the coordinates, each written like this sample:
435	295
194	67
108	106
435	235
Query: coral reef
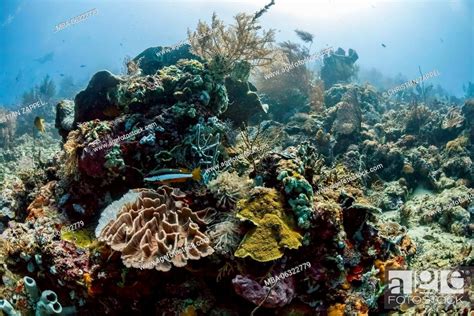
197	177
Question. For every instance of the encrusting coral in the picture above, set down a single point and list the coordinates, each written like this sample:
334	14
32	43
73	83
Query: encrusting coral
265	209
146	225
278	236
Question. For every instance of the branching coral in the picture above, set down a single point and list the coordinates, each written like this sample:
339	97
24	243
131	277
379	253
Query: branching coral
147	226
224	47
257	140
202	145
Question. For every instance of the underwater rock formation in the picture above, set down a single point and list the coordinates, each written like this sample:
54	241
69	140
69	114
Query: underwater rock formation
7	129
146	225
64	118
153	59
347	125
246	101
93	102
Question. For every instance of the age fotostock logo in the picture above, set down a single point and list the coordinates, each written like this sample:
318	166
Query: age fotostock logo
427	287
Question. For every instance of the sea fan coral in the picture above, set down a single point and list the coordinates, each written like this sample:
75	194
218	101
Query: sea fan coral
224	47
147	226
287	91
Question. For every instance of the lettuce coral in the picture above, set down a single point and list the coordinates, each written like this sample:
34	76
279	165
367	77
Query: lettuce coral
154	229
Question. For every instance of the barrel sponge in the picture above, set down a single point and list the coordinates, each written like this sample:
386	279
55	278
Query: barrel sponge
154	229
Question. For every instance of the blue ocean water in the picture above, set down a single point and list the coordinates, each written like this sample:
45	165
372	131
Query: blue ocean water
434	34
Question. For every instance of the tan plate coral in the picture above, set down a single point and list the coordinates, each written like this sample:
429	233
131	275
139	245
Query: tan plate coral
154	229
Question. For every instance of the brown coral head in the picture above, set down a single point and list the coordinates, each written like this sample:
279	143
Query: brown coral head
155	229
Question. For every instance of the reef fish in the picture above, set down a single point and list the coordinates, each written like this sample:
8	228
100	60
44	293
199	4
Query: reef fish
39	123
174	175
111	111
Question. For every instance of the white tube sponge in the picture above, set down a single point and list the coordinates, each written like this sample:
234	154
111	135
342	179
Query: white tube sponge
7	308
48	304
31	288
